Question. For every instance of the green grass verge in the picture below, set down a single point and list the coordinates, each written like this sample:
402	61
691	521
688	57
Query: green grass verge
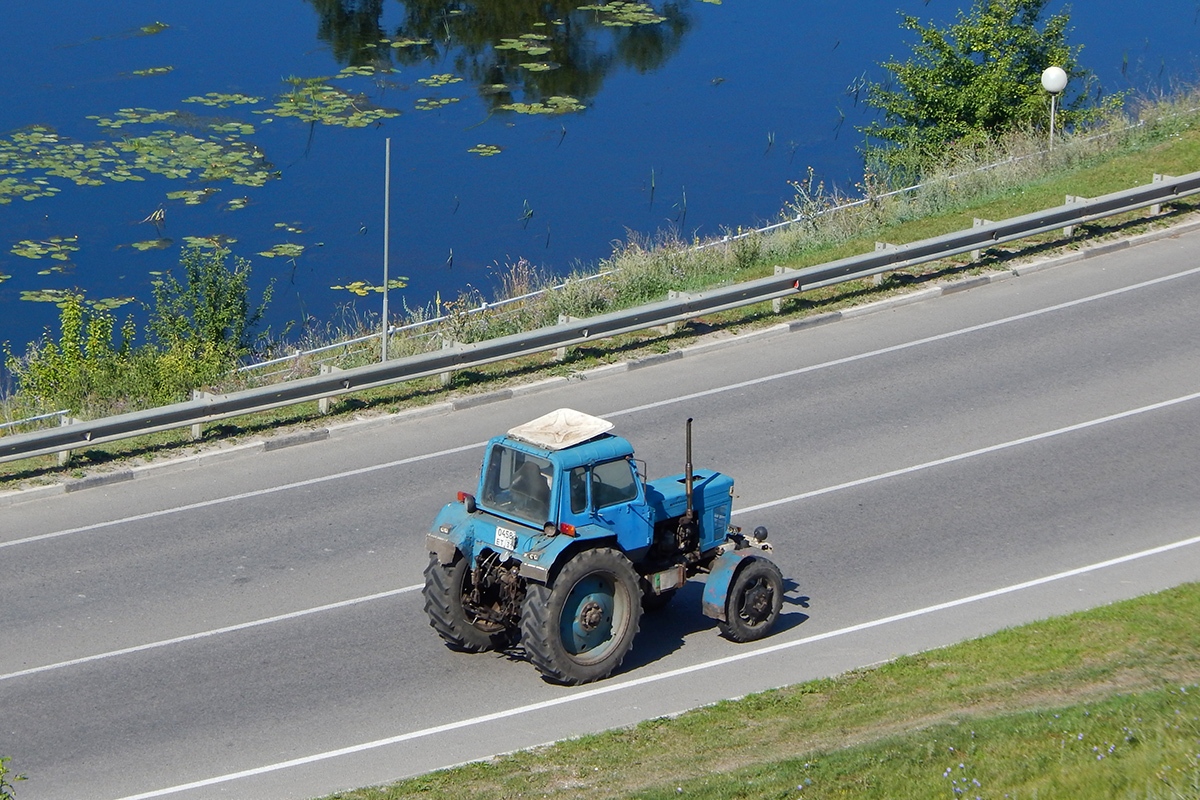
1100	704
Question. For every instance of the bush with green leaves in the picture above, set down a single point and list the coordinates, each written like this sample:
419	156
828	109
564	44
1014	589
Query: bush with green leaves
7	791
199	327
206	316
975	80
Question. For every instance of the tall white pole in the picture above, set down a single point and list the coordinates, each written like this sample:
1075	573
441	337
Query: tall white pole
1053	104
387	209
1054	80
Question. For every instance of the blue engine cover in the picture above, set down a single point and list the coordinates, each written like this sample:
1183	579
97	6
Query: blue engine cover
712	502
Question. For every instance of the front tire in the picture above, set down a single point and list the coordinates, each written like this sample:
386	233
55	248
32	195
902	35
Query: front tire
753	603
580	628
445	585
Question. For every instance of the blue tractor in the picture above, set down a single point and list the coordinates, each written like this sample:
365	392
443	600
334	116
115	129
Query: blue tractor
565	544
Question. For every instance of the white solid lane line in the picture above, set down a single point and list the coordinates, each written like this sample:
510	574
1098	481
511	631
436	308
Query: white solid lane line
216	501
648	679
769	504
1187	398
191	637
622	412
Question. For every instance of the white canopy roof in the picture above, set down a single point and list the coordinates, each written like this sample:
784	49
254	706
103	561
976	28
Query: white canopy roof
561	429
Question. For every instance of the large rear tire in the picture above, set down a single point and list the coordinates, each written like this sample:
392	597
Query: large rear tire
445	585
581	627
753	603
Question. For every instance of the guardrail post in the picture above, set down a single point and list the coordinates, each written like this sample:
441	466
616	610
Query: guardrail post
64	456
561	353
323	403
670	327
879	248
448	375
777	303
198	427
1156	209
1069	231
978	252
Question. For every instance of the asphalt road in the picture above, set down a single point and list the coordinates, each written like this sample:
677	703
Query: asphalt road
251	626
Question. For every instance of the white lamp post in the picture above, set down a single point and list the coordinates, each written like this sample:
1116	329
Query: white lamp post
1054	80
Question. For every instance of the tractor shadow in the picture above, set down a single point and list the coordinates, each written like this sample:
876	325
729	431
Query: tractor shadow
664	631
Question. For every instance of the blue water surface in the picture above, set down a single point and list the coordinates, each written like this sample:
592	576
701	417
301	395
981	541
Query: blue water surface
691	132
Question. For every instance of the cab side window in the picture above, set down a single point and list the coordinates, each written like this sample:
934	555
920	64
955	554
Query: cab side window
578	483
613	482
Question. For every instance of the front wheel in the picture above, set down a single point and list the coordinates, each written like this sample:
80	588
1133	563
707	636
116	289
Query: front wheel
461	629
580	628
753	603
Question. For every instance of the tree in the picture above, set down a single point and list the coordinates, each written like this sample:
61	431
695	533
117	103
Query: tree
207	316
970	83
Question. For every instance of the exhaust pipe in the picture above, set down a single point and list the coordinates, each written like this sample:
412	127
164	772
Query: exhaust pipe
688	471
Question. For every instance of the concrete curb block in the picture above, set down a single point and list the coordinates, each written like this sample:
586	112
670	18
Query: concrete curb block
471	401
292	439
102	479
650	361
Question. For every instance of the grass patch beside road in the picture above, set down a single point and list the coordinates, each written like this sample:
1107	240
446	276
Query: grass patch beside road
1100	704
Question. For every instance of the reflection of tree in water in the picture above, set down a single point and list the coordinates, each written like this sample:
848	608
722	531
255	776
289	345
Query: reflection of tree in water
581	48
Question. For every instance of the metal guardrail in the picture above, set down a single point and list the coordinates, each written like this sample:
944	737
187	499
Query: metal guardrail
30	420
688	306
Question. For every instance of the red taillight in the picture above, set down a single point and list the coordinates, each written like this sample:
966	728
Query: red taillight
567	529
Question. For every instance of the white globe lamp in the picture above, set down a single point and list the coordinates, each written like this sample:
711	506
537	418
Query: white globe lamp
1054	80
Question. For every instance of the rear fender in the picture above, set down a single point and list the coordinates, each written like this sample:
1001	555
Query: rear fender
720	578
543	565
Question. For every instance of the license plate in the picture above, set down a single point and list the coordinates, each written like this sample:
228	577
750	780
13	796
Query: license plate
506	538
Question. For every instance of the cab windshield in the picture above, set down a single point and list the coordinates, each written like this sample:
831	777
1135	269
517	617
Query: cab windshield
518	484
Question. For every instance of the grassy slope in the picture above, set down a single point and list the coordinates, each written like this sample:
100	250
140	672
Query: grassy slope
1100	704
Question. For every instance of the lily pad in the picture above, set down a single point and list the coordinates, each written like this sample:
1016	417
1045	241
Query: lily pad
152	71
219	100
237	204
365	71
313	100
430	103
558	104
399	43
193	197
283	251
362	288
540	66
153	28
618	14
214	242
152	244
60	296
443	79
58	248
530	43
290	227
485	150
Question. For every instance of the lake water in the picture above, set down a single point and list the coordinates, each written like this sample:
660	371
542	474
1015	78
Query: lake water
695	124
